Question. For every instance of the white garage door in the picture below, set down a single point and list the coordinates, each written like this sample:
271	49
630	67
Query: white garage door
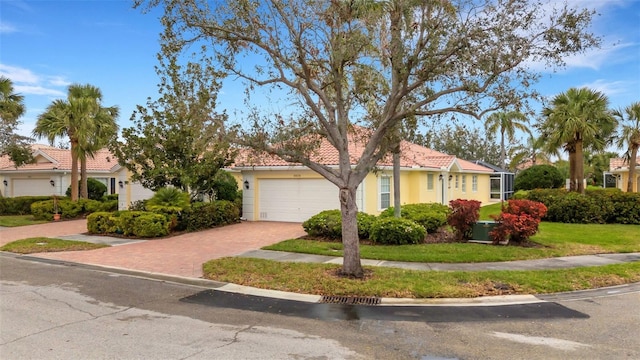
32	187
295	200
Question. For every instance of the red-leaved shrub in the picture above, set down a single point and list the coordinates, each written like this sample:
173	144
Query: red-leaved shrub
464	213
518	221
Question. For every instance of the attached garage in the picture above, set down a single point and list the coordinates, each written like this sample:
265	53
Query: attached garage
31	187
295	200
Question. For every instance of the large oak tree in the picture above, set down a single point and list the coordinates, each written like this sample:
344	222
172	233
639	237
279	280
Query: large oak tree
347	62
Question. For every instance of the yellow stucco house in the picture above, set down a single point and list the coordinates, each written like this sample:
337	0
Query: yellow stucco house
619	168
274	190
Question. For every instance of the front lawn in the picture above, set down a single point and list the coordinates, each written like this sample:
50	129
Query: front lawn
44	244
555	239
19	220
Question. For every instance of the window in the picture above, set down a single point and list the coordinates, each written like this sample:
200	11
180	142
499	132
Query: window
495	187
474	183
429	181
464	183
385	192
457	181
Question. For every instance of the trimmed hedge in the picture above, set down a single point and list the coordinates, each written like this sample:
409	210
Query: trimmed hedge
432	216
208	215
328	224
136	223
396	231
602	206
538	177
20	205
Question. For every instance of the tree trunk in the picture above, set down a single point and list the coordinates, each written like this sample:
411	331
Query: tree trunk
632	168
503	153
74	170
84	190
579	167
351	265
396	182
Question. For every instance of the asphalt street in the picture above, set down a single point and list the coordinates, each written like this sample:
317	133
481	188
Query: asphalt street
53	311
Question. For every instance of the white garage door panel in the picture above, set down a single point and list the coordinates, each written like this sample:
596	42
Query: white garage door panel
32	187
295	200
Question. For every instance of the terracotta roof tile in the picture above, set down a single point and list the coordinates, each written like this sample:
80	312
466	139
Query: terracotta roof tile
412	156
620	163
50	158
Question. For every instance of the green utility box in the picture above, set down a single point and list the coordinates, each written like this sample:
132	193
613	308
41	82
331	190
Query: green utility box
481	230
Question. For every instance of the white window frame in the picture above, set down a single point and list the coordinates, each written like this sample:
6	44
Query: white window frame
381	193
430	182
457	182
474	183
464	183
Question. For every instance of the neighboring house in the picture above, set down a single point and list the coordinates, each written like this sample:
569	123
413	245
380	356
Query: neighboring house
50	174
619	169
274	190
501	181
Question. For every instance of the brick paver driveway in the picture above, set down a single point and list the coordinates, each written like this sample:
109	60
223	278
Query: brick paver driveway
181	255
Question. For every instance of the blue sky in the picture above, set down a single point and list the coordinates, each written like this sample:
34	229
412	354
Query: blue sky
47	45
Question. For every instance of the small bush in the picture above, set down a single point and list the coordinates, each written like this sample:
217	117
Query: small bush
150	225
138	205
169	197
519	221
20	205
538	177
576	208
67	209
626	208
109	197
464	213
328	224
208	215
431	216
225	186
126	221
109	206
396	231
102	223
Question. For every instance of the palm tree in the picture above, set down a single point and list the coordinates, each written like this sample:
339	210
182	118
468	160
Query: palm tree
80	118
576	119
531	151
506	123
11	104
630	134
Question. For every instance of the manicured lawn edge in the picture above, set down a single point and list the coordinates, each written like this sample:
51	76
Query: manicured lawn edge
43	244
321	279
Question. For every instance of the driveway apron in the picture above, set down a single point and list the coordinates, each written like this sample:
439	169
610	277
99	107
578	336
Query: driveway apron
51	229
183	255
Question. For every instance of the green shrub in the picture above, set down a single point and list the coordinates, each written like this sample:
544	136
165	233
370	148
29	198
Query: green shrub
521	195
109	197
96	190
225	186
208	215
538	177
150	225
20	205
431	216
109	205
546	196
126	221
325	224
576	208
168	197
626	208
328	224
396	231
67	209
102	223
138	205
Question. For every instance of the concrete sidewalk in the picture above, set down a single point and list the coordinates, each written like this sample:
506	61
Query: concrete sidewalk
564	262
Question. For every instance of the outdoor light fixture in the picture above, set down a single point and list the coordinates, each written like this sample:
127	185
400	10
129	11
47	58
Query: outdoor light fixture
5	182
53	183
246	184
450	177
440	177
121	184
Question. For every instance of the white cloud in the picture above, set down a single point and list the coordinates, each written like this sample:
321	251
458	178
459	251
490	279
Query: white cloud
609	88
6	28
58	81
18	75
37	90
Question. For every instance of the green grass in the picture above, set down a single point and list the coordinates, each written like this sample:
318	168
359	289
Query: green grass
488	210
554	239
19	220
43	244
321	279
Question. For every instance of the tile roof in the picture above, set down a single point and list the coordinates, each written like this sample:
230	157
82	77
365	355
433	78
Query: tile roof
412	156
620	163
51	158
